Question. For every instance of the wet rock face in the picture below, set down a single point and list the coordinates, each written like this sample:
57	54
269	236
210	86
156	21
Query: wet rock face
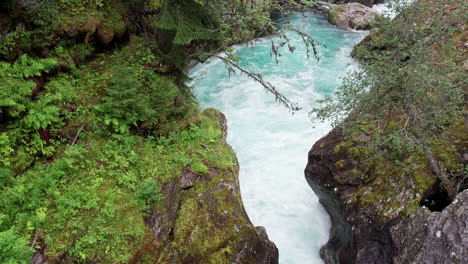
351	16
202	220
356	235
360	235
434	237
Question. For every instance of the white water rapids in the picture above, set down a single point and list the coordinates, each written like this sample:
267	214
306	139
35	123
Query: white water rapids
272	144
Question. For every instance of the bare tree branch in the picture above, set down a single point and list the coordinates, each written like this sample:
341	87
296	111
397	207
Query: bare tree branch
259	78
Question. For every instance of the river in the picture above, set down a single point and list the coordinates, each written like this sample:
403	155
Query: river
271	143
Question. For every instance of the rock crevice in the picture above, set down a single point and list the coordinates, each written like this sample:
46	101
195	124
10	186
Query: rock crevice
360	235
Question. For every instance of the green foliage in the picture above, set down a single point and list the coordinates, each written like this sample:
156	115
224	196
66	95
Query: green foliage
147	193
41	115
13	248
98	3
30	109
403	80
34	32
72	202
188	20
241	21
136	96
89	202
82	158
14	89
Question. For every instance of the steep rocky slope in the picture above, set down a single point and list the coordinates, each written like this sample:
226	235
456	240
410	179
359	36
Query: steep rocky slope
202	219
104	155
388	208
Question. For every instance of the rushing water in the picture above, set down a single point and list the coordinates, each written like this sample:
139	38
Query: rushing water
272	144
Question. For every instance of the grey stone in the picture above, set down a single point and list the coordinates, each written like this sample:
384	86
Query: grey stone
434	237
359	236
352	16
368	3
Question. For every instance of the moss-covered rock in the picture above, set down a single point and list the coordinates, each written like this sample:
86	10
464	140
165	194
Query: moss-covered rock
202	219
373	184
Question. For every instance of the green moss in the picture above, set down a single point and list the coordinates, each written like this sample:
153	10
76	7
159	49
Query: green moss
412	206
198	231
199	168
333	14
358	152
340	164
343	145
367	127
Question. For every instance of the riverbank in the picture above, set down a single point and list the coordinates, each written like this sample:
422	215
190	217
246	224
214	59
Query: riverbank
270	142
105	156
385	194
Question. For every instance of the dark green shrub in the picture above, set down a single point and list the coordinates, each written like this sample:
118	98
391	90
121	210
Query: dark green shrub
14	249
147	193
136	100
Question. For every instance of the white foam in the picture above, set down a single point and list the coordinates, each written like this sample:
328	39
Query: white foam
272	144
388	9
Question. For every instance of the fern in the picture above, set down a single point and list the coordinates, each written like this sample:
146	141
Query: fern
41	115
13	248
14	89
131	100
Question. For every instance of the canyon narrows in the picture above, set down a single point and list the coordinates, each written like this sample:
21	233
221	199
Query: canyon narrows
272	144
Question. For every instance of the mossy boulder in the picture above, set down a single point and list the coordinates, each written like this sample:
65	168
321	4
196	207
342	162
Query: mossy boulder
386	202
363	192
202	219
352	16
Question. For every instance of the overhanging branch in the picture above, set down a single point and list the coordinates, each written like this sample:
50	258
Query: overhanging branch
293	107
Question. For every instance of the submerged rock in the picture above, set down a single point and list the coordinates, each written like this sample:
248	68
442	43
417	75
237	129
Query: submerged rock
352	16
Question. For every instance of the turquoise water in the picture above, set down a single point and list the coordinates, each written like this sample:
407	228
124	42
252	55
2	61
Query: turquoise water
272	144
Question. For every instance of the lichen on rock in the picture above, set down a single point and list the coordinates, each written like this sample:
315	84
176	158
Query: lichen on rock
352	16
202	219
434	237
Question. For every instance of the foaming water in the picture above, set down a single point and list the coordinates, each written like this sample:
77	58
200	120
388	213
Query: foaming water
389	10
272	144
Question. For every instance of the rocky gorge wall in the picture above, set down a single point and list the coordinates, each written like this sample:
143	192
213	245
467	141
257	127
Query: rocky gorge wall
360	235
202	218
381	212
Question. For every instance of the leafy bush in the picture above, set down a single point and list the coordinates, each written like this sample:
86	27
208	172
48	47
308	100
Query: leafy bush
147	193
13	248
14	89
